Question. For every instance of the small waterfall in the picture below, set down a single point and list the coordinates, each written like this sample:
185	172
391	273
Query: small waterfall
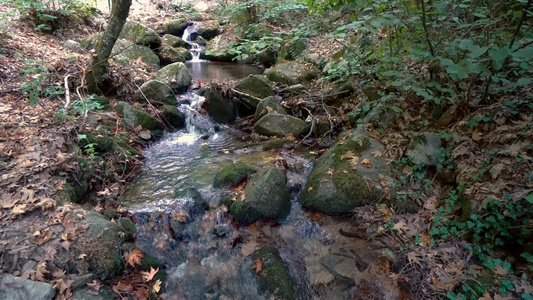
189	35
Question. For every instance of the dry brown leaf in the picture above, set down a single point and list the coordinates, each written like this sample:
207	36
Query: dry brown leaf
59	273
341	142
377	153
401	226
8	200
95	285
180	216
310	189
257	266
477	136
330	172
148	276
134	257
157	286
367	163
61	285
348	155
40	272
19	209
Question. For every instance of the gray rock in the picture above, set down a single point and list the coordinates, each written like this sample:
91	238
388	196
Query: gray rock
257	86
174	27
208	32
293	90
175	75
88	294
291	73
133	117
268	105
267	197
157	92
274	124
174	41
268	57
220	109
132	51
340	182
139	34
168	54
200	41
173	117
424	149
15	288
73	46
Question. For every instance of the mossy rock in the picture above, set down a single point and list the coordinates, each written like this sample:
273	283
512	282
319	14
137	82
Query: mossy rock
200	41
219	108
128	50
89	43
257	86
157	92
174	41
338	184
274	124
134	117
291	73
101	244
174	27
292	50
128	228
267	197
267	105
268	57
140	34
175	75
105	141
232	174
258	31
208	32
274	277
173	117
110	214
424	149
168	54
293	90
277	144
72	195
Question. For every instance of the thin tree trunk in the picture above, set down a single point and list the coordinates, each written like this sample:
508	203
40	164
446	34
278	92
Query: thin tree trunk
119	13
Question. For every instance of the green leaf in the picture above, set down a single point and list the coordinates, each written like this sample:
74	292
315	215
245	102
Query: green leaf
524	53
524	81
478	52
529	198
500	54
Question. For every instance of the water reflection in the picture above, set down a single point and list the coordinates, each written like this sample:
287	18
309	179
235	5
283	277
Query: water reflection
206	71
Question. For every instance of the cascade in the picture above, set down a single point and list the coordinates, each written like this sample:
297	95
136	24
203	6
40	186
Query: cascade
189	35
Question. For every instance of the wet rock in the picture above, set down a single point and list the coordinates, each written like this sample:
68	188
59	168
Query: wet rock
106	141
80	281
219	108
293	90
173	117
424	149
340	182
156	92
73	46
134	117
274	277
274	124
101	244
128	228
232	174
174	27
15	288
200	41
168	54
196	205
221	230
130	51
109	214
90	294
267	197
174	41
292	50
257	86
291	73
140	34
267	105
175	75
208	32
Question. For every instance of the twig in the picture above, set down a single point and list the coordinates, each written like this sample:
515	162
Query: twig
67	92
519	26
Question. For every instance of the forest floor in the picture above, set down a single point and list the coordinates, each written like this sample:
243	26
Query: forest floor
38	151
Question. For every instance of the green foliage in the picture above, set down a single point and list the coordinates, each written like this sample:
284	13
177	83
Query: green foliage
80	107
39	84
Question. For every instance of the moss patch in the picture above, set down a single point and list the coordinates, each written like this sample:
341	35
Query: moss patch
274	278
232	174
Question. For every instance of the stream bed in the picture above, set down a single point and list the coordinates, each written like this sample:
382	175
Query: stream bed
205	254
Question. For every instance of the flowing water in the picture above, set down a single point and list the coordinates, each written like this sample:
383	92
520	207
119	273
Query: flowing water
205	254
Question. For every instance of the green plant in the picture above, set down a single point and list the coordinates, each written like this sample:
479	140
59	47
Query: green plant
80	107
38	84
89	147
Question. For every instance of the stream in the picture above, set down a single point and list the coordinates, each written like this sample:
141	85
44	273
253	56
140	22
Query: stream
205	254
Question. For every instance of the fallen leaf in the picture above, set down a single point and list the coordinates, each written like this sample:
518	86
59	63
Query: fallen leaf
148	276
40	272
330	172
367	163
95	285
8	200
310	189
257	266
377	153
19	209
59	273
341	142
157	286
477	136
180	216
348	155
60	285
134	257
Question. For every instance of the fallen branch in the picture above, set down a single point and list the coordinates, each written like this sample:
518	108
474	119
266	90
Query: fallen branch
67	92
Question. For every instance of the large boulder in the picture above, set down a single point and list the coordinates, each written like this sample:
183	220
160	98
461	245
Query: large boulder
157	92
268	57
268	105
291	73
140	34
174	27
208	32
424	148
131	51
275	124
267	197
273	277
232	174
216	49
175	75
173	117
293	90
256	86
16	288
174	41
168	54
347	175
219	108
133	117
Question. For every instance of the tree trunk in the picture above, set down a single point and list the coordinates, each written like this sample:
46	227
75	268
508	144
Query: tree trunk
97	74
